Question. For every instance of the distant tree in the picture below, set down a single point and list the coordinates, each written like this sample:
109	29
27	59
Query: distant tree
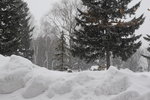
63	14
14	28
62	54
103	30
147	38
44	44
133	62
117	62
62	17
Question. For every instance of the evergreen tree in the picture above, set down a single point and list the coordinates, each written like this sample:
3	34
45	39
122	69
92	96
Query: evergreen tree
102	30
62	54
147	38
15	29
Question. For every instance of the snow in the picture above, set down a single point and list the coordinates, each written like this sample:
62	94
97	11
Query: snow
13	73
22	80
95	67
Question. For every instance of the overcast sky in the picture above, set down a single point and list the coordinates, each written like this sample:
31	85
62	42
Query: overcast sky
40	7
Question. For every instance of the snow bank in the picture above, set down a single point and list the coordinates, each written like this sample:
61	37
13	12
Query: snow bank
37	86
13	73
113	84
21	80
127	95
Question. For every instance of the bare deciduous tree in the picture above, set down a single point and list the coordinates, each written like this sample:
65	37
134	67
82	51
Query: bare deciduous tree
62	17
44	44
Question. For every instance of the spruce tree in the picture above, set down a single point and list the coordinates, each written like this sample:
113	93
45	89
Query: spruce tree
147	38
15	31
102	30
62	54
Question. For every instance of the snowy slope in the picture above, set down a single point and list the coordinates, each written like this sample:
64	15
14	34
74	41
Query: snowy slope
21	80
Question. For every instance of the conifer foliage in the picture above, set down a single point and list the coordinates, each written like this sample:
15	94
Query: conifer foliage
147	38
102	30
15	29
62	54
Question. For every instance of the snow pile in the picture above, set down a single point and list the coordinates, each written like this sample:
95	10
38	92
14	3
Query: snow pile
113	84
13	73
22	80
95	67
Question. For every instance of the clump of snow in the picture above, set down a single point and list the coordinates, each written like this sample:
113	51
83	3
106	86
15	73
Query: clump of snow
76	94
112	86
13	74
17	62
83	78
95	67
37	86
3	61
114	83
21	80
50	94
128	95
112	70
145	96
61	87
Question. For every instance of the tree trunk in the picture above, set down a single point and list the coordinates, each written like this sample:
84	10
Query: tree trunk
63	51
108	58
108	52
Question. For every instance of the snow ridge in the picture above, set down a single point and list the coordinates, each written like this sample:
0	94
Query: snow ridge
21	80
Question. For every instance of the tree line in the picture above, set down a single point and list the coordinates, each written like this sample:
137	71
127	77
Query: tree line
74	34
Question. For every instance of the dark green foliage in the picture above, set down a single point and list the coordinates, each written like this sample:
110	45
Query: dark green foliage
15	29
62	56
102	30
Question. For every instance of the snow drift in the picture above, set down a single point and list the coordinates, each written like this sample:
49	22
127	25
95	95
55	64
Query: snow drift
13	73
21	80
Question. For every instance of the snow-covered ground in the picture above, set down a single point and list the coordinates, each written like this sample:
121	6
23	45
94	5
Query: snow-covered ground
22	80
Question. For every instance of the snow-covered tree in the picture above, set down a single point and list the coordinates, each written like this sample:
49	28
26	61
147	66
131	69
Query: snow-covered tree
15	30
103	30
147	38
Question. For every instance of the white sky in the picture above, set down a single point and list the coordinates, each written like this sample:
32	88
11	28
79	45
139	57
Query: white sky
40	7
145	28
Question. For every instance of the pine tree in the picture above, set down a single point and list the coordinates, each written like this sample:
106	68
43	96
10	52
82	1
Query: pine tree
102	30
62	54
15	31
